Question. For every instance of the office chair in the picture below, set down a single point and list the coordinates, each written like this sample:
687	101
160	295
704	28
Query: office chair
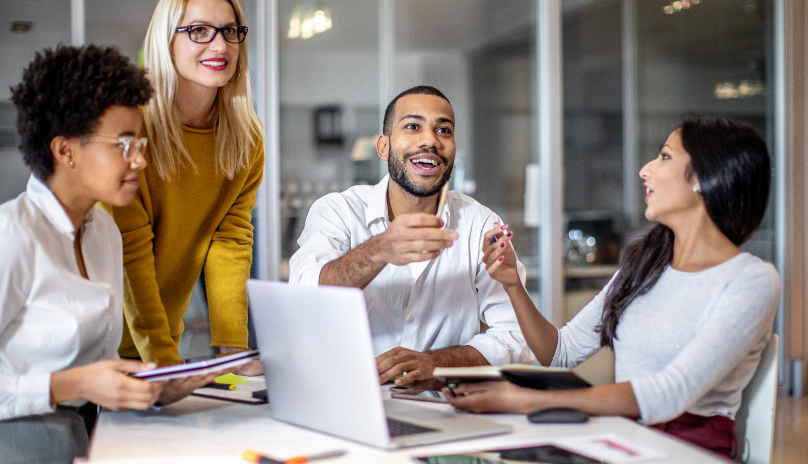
754	422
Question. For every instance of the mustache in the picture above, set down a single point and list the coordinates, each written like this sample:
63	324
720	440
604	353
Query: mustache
433	151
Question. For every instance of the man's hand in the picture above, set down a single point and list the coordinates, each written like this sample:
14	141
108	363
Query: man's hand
415	367
419	366
412	238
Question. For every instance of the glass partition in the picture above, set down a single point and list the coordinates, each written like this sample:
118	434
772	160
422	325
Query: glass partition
27	28
329	106
482	56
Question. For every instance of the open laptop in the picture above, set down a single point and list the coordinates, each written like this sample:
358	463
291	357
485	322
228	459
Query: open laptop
321	372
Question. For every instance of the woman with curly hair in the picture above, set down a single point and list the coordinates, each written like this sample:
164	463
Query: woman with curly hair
687	314
62	268
193	208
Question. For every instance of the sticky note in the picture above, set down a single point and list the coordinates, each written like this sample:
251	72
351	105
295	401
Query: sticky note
230	379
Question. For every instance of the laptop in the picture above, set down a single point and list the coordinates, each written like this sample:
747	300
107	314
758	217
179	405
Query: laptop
321	373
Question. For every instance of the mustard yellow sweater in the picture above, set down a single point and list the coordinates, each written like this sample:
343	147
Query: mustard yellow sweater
171	230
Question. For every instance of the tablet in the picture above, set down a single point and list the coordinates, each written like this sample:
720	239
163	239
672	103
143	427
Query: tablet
198	367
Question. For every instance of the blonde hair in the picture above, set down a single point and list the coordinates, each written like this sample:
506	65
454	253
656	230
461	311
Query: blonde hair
238	127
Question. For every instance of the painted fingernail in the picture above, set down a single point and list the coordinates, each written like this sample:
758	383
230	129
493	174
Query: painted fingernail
492	239
509	233
502	245
503	226
501	258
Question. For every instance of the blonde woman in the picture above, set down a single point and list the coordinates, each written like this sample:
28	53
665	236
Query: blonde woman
193	208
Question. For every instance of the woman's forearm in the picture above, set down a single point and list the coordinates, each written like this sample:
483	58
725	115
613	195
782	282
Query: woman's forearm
540	334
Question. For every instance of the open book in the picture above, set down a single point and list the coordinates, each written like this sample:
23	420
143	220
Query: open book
198	367
540	378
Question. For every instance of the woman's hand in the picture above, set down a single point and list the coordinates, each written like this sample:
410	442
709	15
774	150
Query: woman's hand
249	369
177	389
499	256
106	384
496	396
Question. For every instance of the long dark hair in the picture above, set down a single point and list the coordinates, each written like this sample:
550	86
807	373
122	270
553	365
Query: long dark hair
732	164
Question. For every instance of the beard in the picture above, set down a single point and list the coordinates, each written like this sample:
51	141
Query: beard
397	168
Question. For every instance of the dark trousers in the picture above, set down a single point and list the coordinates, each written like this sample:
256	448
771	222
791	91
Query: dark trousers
54	438
715	433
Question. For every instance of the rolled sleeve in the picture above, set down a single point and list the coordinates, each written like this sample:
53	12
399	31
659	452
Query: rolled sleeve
325	238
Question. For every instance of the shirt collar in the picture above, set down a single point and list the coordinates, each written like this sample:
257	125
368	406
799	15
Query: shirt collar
377	204
46	201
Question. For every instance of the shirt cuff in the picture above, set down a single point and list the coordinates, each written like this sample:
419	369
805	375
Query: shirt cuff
492	350
33	395
311	276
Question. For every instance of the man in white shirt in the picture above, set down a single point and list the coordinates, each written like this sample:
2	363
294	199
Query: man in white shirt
426	287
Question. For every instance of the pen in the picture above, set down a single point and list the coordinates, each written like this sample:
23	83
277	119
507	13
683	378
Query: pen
221	386
442	201
252	456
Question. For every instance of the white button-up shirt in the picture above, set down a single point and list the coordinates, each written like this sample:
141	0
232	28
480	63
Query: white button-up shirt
421	306
51	318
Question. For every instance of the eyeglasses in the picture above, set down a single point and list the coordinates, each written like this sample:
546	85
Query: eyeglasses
122	142
203	33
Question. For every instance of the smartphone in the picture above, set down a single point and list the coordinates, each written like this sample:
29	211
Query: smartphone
415	394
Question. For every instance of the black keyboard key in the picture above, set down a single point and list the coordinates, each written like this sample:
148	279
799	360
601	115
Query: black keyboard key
398	428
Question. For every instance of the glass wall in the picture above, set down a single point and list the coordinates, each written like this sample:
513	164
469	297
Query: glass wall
27	27
483	58
329	108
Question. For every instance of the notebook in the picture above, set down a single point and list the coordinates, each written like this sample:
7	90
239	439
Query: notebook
321	373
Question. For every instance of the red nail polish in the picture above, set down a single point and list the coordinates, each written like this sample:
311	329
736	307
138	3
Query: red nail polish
501	258
502	245
504	226
510	233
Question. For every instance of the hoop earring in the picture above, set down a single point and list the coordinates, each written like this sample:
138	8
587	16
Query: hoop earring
237	75
697	188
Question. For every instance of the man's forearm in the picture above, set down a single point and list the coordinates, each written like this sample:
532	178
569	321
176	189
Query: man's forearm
458	356
357	268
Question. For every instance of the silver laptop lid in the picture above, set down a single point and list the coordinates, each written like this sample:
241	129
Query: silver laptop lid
333	389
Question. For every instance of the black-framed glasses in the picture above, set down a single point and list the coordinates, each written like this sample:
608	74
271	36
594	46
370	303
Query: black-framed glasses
124	143
204	33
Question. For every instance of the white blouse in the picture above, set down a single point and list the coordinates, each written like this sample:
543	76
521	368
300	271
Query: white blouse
51	318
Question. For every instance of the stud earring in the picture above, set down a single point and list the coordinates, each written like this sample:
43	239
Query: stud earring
697	188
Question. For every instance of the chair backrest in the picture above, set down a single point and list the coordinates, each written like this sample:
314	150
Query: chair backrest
754	422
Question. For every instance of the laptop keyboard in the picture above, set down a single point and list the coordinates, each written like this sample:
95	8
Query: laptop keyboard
398	428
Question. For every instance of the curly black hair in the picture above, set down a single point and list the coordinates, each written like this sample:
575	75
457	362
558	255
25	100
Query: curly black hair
63	93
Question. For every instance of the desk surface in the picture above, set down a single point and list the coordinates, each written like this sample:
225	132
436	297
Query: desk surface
201	430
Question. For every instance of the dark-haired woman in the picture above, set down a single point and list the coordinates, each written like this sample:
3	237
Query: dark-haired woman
61	298
688	313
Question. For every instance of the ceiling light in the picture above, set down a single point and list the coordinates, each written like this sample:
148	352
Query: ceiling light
308	19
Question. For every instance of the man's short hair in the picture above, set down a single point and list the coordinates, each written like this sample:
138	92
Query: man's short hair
387	128
64	92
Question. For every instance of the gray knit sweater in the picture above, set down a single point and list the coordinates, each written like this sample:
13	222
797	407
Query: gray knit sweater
691	344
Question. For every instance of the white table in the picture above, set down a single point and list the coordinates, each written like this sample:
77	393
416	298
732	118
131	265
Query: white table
201	430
